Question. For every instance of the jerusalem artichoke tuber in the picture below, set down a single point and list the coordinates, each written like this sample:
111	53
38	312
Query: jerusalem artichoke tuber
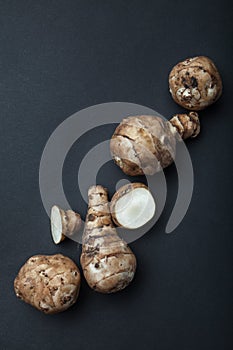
195	83
146	144
49	283
108	263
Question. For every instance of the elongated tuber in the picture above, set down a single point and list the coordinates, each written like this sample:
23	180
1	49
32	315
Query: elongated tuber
49	283
146	144
108	263
64	223
132	206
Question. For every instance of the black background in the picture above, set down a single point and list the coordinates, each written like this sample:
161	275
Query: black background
58	57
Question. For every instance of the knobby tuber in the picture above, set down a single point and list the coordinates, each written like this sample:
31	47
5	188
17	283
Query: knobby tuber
132	206
64	223
108	263
187	125
49	283
146	144
195	83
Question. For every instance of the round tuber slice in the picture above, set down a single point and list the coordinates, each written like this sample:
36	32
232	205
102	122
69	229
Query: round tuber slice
132	206
64	223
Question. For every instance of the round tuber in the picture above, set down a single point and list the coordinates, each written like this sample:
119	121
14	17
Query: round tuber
132	206
49	283
146	144
195	83
108	263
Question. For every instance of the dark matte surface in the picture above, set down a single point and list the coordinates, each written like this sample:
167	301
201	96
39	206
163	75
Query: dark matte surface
58	57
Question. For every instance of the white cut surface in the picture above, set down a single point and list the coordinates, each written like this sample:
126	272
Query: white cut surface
135	208
56	224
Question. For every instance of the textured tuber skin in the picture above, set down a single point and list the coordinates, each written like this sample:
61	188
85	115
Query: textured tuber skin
146	144
108	263
187	125
195	83
49	283
64	223
143	145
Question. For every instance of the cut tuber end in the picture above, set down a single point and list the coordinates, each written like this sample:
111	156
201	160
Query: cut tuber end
56	224
187	125
64	223
132	206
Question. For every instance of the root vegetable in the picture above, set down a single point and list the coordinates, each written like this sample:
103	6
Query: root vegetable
195	83
132	206
49	283
64	223
146	144
108	263
187	125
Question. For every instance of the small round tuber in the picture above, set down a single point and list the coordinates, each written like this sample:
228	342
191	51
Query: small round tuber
64	223
108	263
49	283
146	144
195	83
132	206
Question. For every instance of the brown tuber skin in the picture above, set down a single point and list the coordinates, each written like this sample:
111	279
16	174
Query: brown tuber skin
49	283
64	223
195	83
108	263
143	145
187	125
146	144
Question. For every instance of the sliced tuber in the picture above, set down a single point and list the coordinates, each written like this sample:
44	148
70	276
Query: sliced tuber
64	223
108	263
132	206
